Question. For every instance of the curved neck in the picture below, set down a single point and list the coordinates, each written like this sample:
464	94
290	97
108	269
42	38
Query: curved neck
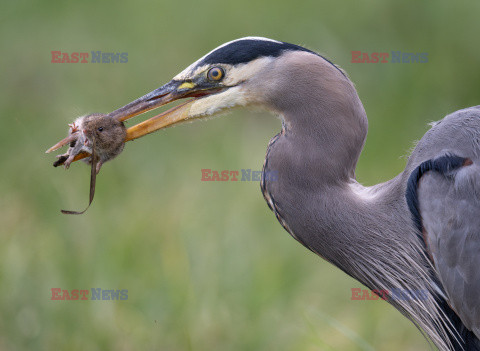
330	137
324	120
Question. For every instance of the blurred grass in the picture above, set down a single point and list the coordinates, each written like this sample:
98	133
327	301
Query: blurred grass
206	265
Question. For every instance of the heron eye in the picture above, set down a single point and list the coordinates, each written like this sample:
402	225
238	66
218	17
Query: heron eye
100	129
215	74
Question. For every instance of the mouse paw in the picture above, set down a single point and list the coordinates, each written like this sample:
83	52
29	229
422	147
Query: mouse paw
68	161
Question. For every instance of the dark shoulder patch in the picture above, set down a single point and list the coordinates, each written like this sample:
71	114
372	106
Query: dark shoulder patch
460	337
442	165
246	50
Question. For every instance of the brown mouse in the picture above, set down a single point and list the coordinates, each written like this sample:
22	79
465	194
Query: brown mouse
97	134
106	133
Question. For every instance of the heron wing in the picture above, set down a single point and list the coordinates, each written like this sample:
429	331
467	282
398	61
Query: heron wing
449	208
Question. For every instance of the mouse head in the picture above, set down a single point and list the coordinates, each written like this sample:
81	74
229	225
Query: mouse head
109	133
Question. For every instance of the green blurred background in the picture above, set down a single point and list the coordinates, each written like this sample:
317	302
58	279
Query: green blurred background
206	264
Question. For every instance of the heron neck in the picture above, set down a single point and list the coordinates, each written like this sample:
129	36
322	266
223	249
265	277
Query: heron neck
317	200
325	137
315	158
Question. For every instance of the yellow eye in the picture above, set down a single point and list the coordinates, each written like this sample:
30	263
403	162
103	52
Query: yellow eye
215	74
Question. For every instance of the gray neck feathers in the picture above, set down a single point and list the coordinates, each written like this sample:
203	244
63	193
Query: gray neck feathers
366	232
323	113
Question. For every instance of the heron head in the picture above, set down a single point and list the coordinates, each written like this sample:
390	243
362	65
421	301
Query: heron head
239	73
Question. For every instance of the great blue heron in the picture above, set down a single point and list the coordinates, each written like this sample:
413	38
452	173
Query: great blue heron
419	232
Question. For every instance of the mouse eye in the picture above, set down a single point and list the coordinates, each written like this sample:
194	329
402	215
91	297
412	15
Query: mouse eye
100	129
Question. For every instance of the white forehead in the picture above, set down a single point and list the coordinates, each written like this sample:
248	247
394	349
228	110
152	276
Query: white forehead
188	72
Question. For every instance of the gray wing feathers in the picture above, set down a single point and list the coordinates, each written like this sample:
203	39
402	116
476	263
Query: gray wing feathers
450	210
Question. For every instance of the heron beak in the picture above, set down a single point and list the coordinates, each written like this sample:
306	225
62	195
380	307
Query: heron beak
161	96
170	92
